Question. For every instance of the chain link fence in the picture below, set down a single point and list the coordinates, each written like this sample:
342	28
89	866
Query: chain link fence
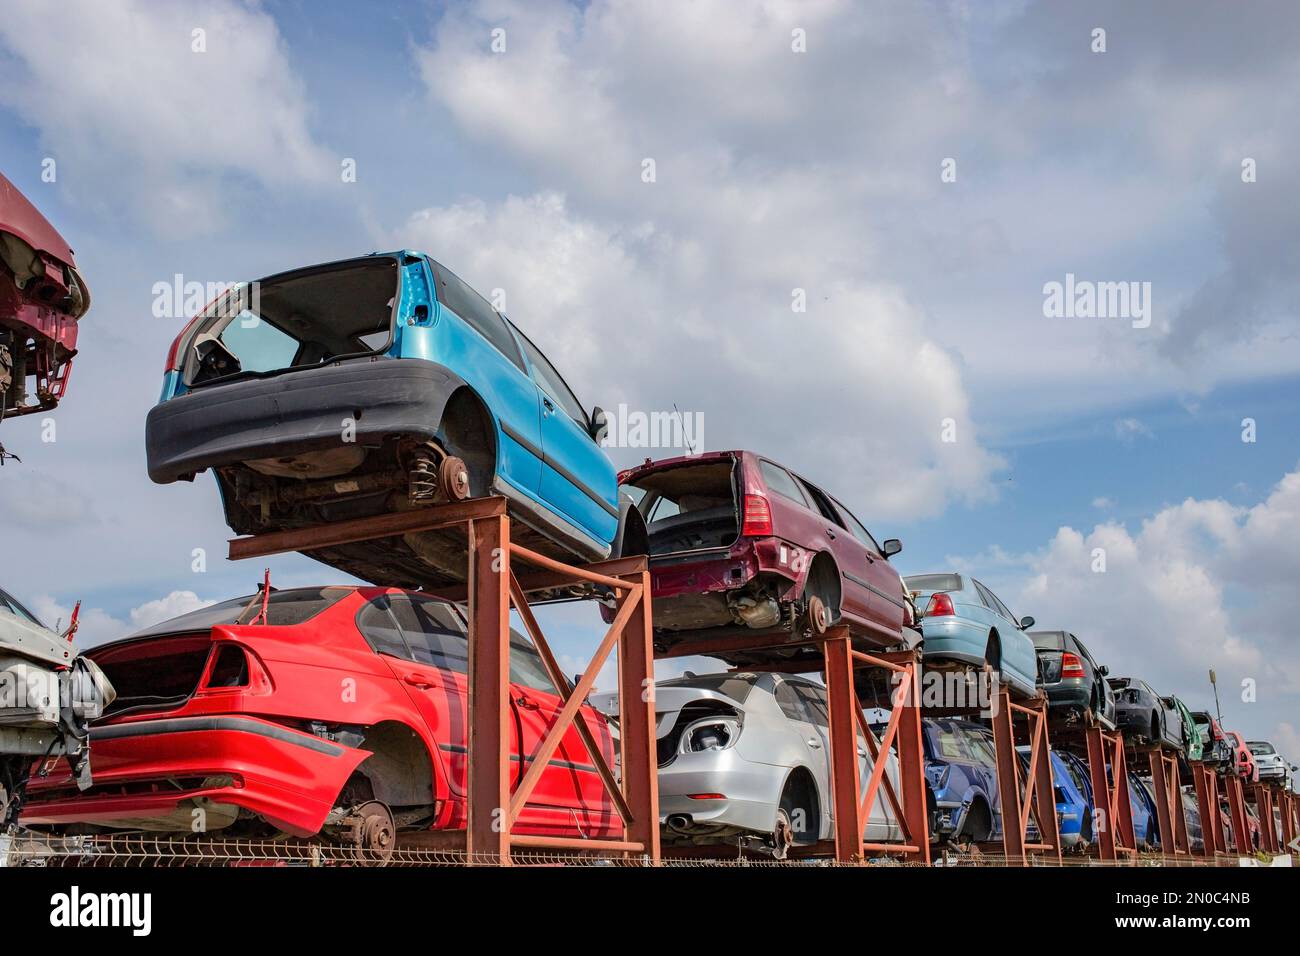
134	850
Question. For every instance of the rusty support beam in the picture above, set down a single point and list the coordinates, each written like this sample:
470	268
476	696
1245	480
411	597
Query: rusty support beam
365	529
1036	795
636	702
1112	812
531	581
488	837
1170	816
1241	841
841	703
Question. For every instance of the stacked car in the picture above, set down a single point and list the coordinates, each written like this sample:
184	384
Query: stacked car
384	385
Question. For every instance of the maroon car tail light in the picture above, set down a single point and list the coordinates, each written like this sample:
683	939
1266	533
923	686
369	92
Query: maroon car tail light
940	605
757	521
1071	666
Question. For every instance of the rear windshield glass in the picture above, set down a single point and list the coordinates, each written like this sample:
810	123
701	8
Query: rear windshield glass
1048	640
298	319
283	607
928	583
735	686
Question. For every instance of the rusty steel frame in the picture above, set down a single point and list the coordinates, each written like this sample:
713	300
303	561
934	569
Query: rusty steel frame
1261	795
1171	818
1108	773
1290	804
1036	795
1205	780
903	730
1233	787
493	589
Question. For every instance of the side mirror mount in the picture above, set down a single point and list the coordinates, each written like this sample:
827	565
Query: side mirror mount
1026	622
1103	670
599	424
891	547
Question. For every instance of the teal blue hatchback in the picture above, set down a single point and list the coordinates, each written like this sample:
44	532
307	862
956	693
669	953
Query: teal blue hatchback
964	623
381	384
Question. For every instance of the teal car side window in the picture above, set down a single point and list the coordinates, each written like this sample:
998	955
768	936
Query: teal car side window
475	311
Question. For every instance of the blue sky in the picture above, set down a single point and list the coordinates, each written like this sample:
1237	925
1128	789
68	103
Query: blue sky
776	170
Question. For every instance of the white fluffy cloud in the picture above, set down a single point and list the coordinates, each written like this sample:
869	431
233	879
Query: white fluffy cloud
1197	585
97	626
647	316
90	80
681	291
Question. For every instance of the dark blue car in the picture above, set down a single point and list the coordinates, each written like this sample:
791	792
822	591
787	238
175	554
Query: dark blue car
376	385
961	772
1141	803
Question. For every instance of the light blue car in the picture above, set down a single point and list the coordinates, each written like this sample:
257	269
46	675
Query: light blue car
965	623
375	385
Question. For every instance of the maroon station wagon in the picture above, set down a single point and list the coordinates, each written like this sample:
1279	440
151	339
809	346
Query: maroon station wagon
740	544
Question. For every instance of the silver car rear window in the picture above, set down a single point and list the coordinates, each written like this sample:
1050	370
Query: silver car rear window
735	686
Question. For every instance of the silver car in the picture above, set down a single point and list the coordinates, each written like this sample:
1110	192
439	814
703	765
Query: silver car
48	696
744	758
1272	765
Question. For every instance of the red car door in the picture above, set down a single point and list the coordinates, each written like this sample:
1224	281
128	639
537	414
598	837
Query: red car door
425	643
569	796
854	564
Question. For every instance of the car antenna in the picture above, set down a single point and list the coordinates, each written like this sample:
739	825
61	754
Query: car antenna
682	421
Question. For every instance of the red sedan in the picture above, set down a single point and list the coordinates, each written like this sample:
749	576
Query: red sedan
337	710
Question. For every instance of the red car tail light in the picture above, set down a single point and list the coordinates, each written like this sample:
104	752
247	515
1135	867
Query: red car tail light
707	796
1071	666
173	353
757	521
940	605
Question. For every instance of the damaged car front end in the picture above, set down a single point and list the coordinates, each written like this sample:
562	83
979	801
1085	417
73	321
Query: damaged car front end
41	299
48	696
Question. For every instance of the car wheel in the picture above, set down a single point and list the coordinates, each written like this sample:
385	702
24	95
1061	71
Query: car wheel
782	834
977	827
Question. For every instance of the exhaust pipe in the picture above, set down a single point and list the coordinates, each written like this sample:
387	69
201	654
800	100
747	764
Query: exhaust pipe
678	822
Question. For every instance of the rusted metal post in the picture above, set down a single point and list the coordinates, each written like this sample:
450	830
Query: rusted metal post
488	836
1287	802
1004	741
911	766
1103	827
1237	815
1049	828
842	703
637	722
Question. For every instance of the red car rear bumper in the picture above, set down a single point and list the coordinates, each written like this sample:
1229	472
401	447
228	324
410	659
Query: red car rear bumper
729	570
148	770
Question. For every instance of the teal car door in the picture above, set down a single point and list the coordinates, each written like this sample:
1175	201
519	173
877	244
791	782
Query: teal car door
1018	654
578	479
481	348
